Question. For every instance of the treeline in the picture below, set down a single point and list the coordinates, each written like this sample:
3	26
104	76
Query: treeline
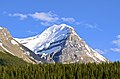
62	71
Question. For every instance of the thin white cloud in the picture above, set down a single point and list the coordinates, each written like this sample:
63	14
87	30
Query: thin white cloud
21	16
118	36
45	23
117	43
100	51
50	18
70	20
115	49
78	23
91	26
47	17
31	32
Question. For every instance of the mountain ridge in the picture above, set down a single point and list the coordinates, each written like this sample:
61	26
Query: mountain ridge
61	44
10	45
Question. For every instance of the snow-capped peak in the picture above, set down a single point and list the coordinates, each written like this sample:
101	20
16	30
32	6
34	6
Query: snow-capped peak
60	43
1	28
52	34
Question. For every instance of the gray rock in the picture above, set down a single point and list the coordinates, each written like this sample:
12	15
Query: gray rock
10	45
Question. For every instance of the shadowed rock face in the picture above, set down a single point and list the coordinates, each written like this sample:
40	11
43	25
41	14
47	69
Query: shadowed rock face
76	50
61	44
10	45
73	49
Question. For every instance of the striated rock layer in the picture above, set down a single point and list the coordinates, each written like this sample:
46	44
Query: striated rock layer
61	44
10	45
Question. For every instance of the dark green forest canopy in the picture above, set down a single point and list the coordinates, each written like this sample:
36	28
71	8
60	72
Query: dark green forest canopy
62	71
12	67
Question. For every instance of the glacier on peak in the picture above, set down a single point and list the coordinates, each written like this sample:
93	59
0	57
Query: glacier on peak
50	35
1	27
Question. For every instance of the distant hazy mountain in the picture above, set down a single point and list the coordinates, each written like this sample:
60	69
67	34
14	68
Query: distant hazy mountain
61	44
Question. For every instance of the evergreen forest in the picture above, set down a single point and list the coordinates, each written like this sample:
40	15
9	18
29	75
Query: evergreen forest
15	68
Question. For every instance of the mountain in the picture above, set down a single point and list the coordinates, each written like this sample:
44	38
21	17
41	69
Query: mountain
61	44
11	46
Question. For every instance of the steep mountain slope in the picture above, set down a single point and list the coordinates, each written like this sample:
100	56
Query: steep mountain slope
61	44
7	59
8	44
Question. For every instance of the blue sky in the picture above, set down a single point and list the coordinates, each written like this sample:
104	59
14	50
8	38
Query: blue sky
97	22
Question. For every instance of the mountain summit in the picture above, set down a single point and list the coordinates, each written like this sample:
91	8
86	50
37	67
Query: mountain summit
61	44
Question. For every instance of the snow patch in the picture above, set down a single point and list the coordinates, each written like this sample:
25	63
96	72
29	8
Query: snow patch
89	50
89	55
0	44
1	28
100	57
81	58
44	55
55	49
5	34
21	48
28	53
92	56
14	42
6	49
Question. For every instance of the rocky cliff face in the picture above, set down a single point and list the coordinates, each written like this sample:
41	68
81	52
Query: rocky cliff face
10	45
61	44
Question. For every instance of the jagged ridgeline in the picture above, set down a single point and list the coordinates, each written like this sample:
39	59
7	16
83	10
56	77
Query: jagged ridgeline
7	59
